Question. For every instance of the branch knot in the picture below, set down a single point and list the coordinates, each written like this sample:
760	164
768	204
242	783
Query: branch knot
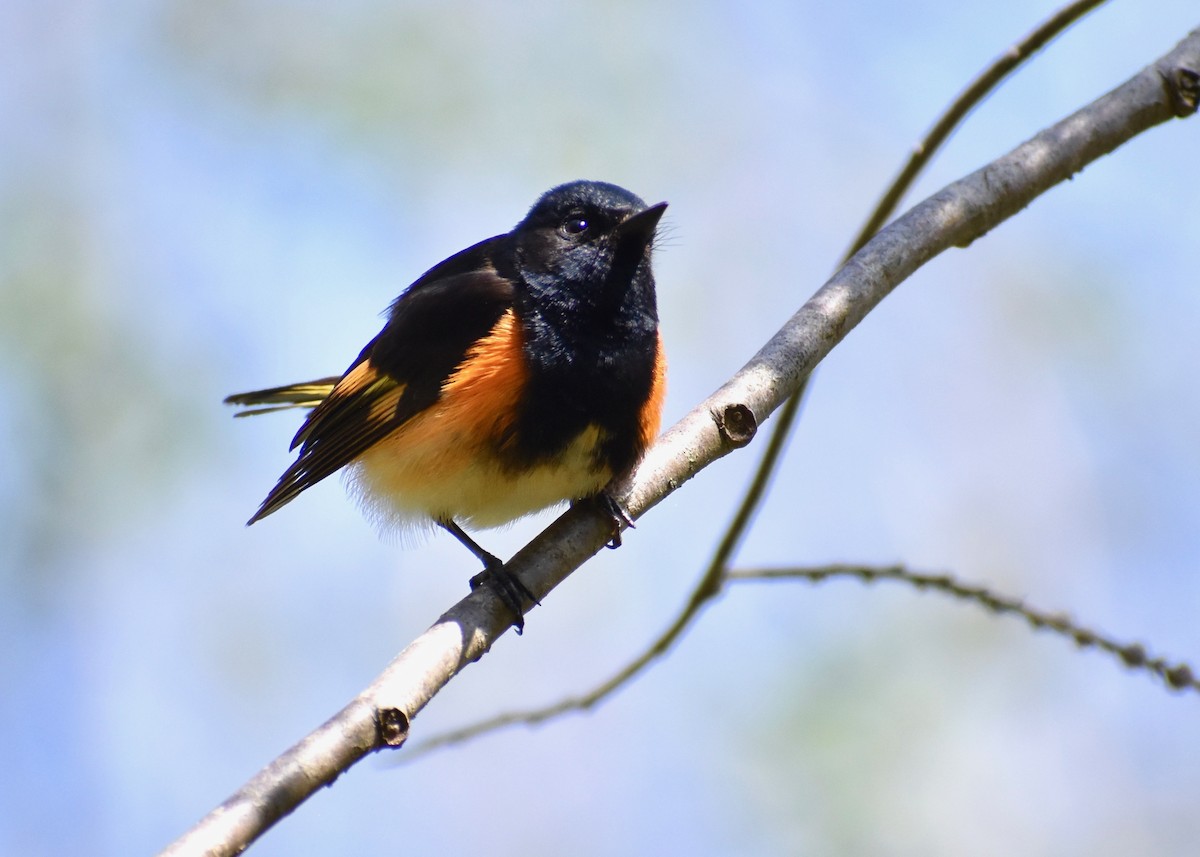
1183	90
392	726
737	425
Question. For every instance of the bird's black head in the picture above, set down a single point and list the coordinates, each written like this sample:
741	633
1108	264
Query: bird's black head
586	245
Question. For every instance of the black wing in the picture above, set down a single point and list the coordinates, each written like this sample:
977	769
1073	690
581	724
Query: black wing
401	371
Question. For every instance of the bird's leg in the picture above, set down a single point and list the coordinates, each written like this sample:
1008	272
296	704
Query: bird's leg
505	584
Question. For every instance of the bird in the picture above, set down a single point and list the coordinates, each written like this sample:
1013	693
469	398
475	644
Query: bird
525	371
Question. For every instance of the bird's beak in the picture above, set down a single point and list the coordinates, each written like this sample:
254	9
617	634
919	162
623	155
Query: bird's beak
641	225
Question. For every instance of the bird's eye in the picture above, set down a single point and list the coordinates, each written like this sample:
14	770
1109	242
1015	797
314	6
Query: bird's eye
574	224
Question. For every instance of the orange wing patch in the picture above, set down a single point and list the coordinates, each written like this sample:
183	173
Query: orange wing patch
362	384
478	402
356	412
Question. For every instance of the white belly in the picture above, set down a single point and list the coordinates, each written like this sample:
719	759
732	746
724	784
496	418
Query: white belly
413	483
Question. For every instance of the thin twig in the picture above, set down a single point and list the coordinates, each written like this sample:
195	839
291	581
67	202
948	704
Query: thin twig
712	580
1177	676
974	93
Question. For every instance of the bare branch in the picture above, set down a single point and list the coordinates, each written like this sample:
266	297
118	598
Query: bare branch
1177	676
957	215
975	92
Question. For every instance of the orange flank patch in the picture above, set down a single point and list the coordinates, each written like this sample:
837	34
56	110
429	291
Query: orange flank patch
478	402
443	463
651	419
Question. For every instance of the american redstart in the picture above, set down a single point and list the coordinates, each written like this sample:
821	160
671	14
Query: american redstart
519	373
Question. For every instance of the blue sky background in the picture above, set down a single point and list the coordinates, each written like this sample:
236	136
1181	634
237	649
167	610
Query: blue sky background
199	198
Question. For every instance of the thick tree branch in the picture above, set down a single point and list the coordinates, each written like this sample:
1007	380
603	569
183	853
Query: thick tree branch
956	216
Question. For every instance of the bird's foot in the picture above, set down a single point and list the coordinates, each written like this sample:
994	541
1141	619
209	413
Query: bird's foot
508	588
608	504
